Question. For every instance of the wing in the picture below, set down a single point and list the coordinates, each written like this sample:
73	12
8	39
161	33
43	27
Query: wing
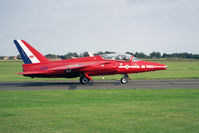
76	67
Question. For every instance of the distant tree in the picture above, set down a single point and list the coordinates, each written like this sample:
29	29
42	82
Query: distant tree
196	56
108	52
71	55
155	55
19	57
164	55
51	56
183	55
99	53
140	55
130	53
62	57
84	54
174	55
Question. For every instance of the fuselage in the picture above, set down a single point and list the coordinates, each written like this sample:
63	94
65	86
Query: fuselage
96	66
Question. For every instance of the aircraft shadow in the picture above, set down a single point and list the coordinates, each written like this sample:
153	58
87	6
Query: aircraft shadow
52	83
58	84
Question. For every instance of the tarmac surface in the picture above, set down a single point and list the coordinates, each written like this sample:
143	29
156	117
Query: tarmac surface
103	84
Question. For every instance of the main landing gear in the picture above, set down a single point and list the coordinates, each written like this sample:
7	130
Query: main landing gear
125	79
84	79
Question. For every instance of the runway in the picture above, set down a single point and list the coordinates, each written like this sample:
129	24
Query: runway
103	84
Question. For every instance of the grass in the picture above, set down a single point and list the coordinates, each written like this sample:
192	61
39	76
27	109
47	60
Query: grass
100	111
177	69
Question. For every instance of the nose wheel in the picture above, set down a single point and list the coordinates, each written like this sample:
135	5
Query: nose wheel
125	79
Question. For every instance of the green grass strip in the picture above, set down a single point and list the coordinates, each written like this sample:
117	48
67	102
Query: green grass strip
100	111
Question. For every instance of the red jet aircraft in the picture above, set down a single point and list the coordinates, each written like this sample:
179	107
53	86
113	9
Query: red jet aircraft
36	65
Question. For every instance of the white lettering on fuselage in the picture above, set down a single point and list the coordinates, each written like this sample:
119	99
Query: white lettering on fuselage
142	66
127	66
149	66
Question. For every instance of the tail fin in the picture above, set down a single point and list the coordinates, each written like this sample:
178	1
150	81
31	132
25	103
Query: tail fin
28	53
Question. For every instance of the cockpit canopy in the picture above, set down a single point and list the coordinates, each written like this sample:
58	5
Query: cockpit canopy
116	56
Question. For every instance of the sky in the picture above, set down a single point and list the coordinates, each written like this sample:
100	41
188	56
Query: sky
61	26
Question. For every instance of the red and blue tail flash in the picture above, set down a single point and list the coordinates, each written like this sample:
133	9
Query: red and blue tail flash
28	53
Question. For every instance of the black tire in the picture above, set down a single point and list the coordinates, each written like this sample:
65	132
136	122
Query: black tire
124	80
84	80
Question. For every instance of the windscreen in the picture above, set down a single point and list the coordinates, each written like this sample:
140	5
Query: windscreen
124	57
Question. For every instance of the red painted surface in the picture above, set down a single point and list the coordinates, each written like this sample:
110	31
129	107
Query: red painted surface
88	66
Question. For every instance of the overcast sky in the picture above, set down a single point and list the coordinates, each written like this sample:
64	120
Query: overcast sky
61	26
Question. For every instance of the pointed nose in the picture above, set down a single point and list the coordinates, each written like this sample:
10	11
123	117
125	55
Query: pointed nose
165	67
161	67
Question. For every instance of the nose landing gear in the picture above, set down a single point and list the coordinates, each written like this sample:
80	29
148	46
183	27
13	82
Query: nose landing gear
125	79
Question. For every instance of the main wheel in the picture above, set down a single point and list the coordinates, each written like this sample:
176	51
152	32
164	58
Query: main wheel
84	80
124	80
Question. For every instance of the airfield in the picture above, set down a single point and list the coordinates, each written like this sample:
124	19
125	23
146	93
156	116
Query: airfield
102	84
161	102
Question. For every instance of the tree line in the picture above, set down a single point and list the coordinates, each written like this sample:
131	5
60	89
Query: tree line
142	55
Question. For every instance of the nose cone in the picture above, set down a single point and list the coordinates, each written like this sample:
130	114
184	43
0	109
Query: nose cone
158	66
164	67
